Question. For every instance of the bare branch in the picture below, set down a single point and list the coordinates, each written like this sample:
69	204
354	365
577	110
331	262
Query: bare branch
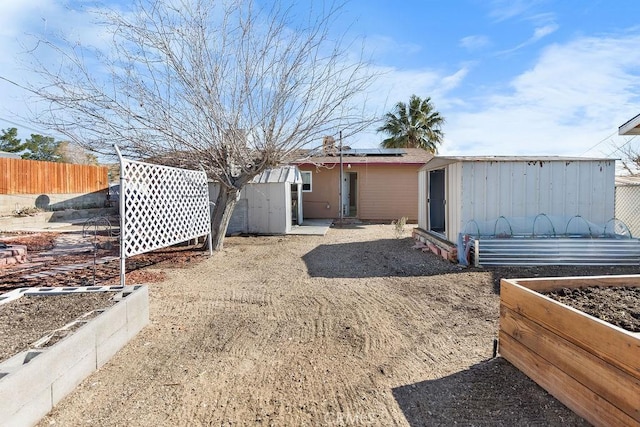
231	84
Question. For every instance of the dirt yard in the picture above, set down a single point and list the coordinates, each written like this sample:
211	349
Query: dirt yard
354	328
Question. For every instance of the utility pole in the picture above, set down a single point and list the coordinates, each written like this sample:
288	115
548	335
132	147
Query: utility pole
340	184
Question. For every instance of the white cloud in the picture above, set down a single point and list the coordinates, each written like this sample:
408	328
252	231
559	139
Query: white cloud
381	45
538	34
474	42
577	94
21	24
502	10
394	85
544	31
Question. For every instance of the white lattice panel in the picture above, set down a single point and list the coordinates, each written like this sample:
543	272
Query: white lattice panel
163	206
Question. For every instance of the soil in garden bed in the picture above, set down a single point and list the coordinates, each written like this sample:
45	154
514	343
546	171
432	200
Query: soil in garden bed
23	321
619	306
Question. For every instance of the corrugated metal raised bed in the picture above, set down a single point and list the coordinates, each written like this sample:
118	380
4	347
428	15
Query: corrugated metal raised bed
557	251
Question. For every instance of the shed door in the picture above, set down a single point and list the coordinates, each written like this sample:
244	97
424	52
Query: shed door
436	201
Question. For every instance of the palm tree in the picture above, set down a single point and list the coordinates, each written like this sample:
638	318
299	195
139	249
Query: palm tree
416	125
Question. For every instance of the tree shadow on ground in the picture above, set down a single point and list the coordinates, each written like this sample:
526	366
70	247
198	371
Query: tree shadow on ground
397	258
378	258
491	393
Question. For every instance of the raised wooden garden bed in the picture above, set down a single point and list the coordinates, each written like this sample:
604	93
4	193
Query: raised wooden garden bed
591	366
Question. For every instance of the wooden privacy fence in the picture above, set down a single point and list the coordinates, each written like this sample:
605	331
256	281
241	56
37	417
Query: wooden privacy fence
19	176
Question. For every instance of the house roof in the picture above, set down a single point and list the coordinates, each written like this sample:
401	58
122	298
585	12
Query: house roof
10	155
627	180
289	174
442	161
632	127
371	156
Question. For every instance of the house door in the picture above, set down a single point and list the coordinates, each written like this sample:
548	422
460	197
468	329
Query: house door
437	201
350	194
294	204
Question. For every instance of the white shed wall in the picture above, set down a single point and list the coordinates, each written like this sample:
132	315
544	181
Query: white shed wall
422	200
269	208
515	189
453	176
262	209
486	190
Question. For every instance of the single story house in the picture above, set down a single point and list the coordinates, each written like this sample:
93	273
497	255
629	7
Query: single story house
270	204
631	127
628	187
6	155
377	184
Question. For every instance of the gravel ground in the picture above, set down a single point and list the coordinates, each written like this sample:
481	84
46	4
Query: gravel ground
353	328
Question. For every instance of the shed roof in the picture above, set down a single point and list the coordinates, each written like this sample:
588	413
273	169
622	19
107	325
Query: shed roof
442	161
371	156
282	174
632	127
627	180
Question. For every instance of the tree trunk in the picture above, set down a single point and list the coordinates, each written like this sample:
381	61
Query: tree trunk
225	203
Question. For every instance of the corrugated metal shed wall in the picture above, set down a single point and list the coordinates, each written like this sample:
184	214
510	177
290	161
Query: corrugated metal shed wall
422	200
489	190
269	208
265	203
485	190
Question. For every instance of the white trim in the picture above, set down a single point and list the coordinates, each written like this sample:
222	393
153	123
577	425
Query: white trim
303	173
632	127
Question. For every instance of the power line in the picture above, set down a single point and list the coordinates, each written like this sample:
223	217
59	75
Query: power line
21	125
619	149
17	84
600	142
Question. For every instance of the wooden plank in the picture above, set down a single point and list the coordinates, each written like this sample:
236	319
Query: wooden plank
615	345
617	387
545	284
567	390
19	176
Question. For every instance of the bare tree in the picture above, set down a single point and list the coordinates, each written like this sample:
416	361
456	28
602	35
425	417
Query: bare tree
228	84
630	157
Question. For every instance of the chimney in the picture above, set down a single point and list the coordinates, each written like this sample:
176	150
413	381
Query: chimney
329	146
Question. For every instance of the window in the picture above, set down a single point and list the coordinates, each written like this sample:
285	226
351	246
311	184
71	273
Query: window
306	181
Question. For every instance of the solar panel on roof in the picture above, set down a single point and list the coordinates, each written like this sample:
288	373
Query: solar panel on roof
374	152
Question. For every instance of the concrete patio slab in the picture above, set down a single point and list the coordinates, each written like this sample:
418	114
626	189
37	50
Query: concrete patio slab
312	227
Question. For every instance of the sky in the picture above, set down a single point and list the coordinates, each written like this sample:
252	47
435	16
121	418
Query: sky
518	77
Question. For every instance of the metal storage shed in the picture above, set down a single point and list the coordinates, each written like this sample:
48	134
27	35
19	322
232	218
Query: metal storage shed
455	190
270	204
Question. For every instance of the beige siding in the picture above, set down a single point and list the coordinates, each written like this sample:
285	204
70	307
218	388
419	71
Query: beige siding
388	192
385	192
322	201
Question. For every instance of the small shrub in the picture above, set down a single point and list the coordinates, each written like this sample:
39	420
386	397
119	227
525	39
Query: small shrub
27	211
398	227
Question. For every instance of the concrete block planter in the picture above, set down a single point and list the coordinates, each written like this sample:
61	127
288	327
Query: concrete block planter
591	366
33	381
